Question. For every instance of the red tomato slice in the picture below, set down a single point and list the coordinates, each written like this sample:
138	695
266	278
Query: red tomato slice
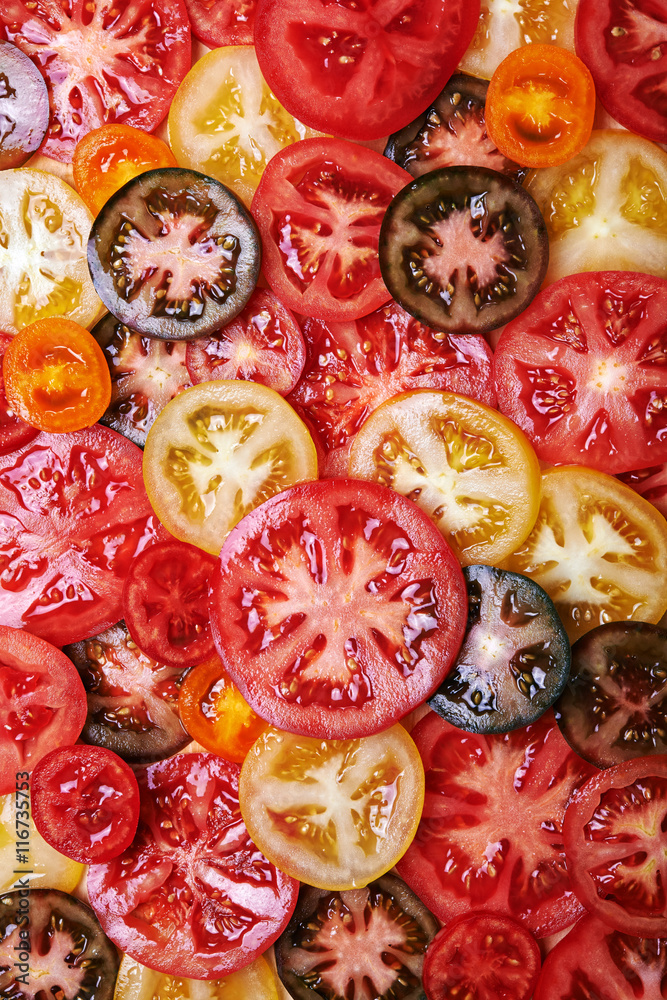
361	70
319	207
490	833
73	514
583	373
42	703
337	608
192	896
165	603
85	803
353	367
110	61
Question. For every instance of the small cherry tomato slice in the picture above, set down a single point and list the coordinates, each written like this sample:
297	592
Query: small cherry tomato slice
192	895
42	703
24	107
469	468
337	608
108	157
216	714
262	344
85	803
56	376
332	841
615	845
486	955
540	105
374	940
14	432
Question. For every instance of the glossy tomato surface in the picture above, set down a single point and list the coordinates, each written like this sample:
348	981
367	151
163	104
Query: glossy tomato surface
337	608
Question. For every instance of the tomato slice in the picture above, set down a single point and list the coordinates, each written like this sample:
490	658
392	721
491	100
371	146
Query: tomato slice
615	845
85	803
256	981
48	867
332	841
337	608
73	514
43	703
623	45
363	70
112	62
490	833
353	367
14	432
597	548
469	468
486	955
56	377
192	896
24	107
374	941
319	207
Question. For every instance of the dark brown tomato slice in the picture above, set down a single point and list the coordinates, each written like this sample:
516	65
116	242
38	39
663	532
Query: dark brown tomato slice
222	22
73	514
174	254
319	207
614	705
337	608
650	483
614	837
451	132
24	107
594	962
361	944
352	367
165	603
463	249
490	833
485	956
515	657
132	699
145	374
51	945
263	344
14	432
104	62
192	896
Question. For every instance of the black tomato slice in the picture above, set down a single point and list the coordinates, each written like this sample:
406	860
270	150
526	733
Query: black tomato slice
464	249
24	107
132	700
145	374
174	254
451	132
51	945
515	656
361	944
352	367
614	705
165	603
484	956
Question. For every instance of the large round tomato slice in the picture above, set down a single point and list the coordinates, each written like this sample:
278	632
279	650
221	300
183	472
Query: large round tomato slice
361	70
490	833
192	895
110	61
582	371
73	513
319	207
338	607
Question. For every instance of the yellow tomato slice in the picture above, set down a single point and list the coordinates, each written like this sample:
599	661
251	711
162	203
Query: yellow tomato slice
136	982
218	450
44	229
505	25
598	549
467	466
333	813
606	208
225	122
48	868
